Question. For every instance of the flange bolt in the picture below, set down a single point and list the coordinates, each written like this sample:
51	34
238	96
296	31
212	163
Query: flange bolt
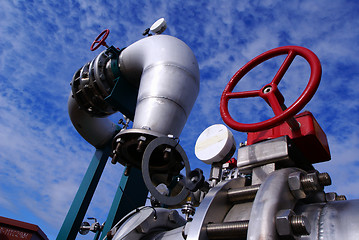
300	225
324	179
288	223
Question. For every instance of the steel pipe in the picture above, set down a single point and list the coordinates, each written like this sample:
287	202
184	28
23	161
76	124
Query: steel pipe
167	74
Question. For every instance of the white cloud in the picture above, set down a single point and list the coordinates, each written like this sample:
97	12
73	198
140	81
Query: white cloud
44	43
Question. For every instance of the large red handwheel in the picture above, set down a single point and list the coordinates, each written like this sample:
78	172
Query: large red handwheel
270	92
97	43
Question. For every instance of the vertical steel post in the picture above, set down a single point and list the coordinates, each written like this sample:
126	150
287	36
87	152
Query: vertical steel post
131	193
79	206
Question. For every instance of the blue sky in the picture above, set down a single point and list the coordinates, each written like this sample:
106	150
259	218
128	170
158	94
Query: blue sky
43	43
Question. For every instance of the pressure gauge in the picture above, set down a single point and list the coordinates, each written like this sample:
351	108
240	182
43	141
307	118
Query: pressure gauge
159	26
215	144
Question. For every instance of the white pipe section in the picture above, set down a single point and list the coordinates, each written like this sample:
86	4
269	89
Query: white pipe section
97	131
167	73
169	84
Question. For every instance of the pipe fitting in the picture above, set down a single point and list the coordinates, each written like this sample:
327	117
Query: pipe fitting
295	185
228	230
302	184
243	194
288	223
310	182
141	144
160	81
332	196
324	179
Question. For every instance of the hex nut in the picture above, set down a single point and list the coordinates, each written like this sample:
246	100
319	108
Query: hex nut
141	138
282	223
173	216
331	196
295	185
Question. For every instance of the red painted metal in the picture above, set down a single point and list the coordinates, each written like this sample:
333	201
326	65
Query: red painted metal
310	138
232	163
272	96
104	34
13	229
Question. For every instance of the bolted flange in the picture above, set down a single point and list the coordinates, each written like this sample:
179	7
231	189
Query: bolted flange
288	223
302	184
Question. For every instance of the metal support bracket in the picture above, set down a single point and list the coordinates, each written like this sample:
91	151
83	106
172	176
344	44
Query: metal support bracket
79	206
131	193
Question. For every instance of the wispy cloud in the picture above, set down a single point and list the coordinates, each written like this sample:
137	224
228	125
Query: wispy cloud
43	159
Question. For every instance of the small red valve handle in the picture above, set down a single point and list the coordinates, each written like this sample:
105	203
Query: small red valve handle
97	43
270	92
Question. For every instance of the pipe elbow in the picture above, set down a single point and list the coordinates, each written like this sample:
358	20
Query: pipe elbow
95	130
167	73
162	68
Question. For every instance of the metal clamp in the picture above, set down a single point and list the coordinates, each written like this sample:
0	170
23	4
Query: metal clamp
172	143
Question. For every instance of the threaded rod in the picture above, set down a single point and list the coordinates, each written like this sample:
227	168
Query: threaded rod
300	225
243	194
308	183
324	179
228	230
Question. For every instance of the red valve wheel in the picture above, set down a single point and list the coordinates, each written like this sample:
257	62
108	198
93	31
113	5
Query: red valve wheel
97	43
270	92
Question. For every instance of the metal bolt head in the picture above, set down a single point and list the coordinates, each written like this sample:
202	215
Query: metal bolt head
267	89
141	138
341	198
173	216
287	223
282	222
295	185
331	196
324	179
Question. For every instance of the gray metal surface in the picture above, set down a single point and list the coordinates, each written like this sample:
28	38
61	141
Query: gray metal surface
213	208
169	82
259	174
263	153
148	221
97	131
247	193
167	200
167	73
332	220
272	196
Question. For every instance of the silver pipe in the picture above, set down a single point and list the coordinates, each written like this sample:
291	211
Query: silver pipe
272	196
167	74
97	131
169	82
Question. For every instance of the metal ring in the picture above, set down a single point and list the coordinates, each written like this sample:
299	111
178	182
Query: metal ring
167	200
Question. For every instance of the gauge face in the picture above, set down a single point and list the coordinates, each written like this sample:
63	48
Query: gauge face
159	26
214	144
